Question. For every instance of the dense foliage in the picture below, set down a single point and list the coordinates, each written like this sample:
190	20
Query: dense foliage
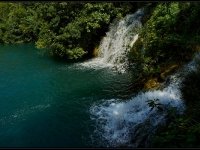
167	36
171	34
72	30
67	29
184	131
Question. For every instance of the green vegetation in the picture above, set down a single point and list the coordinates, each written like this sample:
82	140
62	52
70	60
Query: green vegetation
67	29
184	130
170	37
167	36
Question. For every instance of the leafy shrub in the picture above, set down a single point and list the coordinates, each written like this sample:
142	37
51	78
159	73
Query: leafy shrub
66	29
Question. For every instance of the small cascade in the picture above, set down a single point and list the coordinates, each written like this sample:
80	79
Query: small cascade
132	122
117	42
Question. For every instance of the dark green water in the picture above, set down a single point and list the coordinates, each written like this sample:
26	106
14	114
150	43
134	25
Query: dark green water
45	103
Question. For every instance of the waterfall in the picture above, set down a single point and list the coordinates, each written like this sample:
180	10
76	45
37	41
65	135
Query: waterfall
115	45
131	122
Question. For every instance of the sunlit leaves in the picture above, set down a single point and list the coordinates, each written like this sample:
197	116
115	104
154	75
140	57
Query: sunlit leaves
66	29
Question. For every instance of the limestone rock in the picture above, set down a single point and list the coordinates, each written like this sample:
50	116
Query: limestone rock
169	70
152	84
95	52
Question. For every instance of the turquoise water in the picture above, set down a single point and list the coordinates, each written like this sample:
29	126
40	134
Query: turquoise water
45	103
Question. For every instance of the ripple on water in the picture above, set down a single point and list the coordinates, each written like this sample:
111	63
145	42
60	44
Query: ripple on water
22	114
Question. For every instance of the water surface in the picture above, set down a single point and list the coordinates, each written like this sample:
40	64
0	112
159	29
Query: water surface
45	103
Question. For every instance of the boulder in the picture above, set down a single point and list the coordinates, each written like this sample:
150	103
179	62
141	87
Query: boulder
169	70
152	84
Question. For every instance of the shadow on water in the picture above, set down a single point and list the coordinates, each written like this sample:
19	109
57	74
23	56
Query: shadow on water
45	102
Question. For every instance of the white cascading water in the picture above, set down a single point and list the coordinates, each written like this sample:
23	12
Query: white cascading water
130	123
117	42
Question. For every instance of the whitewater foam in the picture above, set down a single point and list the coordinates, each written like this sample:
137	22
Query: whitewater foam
118	122
132	122
116	44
